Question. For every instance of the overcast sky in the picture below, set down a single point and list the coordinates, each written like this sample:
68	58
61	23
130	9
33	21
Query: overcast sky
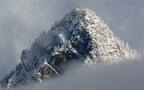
21	21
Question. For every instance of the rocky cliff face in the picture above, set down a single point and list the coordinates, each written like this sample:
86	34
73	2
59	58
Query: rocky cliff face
80	36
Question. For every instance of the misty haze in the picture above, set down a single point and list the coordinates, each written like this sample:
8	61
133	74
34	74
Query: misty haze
71	44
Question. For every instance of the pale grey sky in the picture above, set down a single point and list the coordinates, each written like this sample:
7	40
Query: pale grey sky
21	21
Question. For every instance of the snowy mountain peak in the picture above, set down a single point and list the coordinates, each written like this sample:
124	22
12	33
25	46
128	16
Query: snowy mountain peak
80	36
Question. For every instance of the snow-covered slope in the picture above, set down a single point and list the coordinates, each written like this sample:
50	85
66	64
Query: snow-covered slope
80	36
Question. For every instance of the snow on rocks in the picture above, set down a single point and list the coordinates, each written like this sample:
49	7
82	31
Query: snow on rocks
81	36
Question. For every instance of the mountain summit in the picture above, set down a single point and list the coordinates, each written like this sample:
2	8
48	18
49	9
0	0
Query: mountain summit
80	36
